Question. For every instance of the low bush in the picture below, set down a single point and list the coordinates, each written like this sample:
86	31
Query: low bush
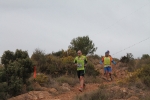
144	75
2	74
140	77
94	57
103	93
42	79
142	62
129	62
91	79
90	70
3	91
145	56
95	95
65	79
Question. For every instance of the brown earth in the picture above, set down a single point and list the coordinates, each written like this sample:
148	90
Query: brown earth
72	92
69	95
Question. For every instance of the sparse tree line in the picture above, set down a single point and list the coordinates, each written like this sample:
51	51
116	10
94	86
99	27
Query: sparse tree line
18	66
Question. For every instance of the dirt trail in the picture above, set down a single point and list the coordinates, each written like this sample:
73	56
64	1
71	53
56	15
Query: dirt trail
70	95
74	91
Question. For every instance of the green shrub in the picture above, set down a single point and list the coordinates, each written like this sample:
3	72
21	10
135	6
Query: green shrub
145	56
56	66
69	52
65	79
39	59
42	79
2	74
17	69
84	44
90	70
144	75
131	66
58	53
3	91
142	62
15	88
129	61
94	57
140	74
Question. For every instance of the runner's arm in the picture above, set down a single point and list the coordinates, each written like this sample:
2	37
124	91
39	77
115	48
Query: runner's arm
85	62
113	62
75	62
102	61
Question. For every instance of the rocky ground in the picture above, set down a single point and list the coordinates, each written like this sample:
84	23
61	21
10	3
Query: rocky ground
71	92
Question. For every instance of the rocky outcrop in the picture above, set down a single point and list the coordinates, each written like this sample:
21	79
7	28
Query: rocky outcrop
53	91
133	98
65	87
33	95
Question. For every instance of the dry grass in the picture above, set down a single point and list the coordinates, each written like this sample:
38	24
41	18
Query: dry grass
72	81
91	79
66	79
103	93
58	88
57	83
94	95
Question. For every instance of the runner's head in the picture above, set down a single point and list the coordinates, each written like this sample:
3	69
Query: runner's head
107	53
79	53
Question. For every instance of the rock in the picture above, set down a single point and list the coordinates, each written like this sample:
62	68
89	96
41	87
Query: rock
115	88
124	90
40	95
28	97
65	86
13	98
130	74
44	89
133	98
33	95
52	90
37	85
54	99
24	89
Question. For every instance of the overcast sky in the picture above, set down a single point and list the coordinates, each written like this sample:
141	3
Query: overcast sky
50	25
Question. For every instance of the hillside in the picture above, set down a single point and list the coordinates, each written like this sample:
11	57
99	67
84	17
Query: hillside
56	77
118	89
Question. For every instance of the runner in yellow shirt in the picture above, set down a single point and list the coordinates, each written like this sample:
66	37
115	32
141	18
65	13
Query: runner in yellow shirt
107	60
80	62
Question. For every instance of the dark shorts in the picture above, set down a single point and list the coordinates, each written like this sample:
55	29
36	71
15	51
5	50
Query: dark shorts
80	73
107	69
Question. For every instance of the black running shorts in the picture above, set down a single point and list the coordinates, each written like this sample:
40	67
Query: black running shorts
80	73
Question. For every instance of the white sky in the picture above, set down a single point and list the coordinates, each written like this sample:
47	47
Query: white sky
51	25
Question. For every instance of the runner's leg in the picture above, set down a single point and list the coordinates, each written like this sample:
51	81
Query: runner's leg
110	70
105	70
81	80
107	73
84	81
